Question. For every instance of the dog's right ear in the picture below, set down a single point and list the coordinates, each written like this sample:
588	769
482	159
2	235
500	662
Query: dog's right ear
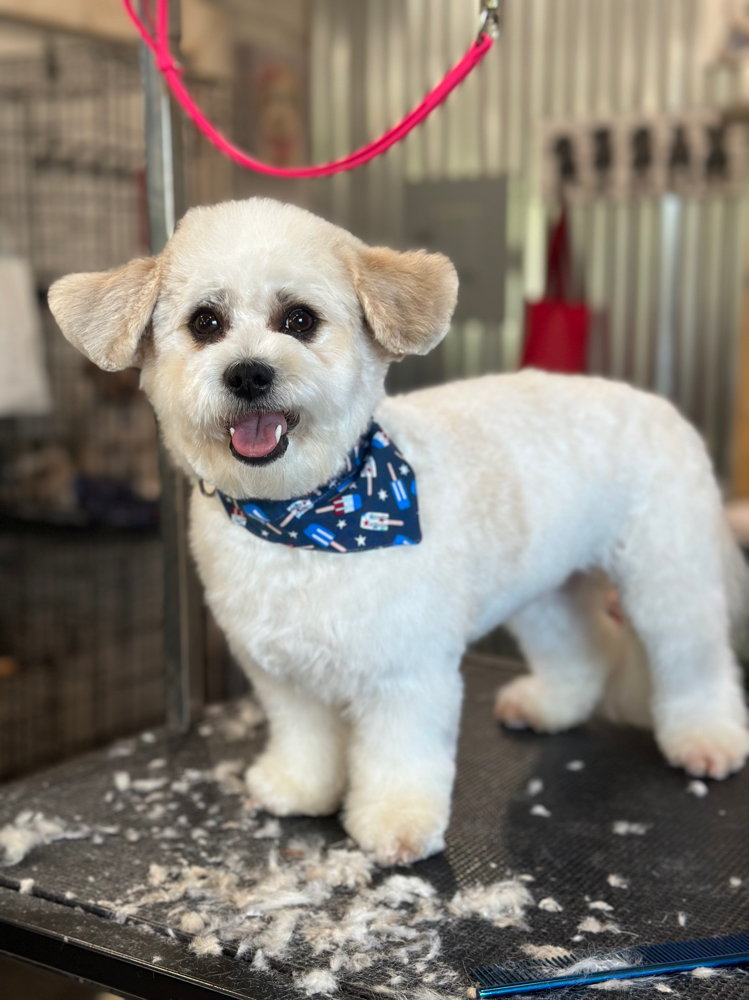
106	314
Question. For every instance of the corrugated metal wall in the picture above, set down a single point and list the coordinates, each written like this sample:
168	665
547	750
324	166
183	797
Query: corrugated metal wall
663	273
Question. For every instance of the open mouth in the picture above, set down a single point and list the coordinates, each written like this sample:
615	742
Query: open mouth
261	436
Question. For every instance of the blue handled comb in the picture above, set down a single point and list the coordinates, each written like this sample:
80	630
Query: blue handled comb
643	960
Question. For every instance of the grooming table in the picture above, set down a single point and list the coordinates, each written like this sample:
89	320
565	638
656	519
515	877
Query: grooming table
682	873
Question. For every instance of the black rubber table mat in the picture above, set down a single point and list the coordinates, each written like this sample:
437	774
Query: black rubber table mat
683	858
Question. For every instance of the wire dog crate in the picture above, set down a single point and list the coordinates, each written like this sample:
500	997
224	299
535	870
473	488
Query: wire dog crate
81	556
80	561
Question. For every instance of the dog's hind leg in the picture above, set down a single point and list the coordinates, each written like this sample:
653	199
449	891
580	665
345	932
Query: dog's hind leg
571	644
677	575
302	770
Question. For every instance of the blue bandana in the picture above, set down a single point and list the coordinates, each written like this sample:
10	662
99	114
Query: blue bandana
372	504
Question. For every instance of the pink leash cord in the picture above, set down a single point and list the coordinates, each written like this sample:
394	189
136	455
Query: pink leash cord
159	46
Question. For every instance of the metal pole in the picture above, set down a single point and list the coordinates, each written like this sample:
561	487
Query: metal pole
183	613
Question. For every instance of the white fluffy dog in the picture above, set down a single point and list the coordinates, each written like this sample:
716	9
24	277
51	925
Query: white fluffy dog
262	321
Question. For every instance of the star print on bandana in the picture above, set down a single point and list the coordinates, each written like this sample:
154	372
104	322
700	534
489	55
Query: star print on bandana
382	505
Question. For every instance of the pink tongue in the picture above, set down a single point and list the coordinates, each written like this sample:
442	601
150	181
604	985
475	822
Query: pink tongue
255	435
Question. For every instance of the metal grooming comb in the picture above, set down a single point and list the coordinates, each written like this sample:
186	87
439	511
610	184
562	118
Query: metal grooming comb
643	960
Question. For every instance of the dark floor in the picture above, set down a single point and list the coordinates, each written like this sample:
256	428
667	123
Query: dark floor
26	982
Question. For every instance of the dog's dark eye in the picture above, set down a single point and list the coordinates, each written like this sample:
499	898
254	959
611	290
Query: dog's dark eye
299	322
205	325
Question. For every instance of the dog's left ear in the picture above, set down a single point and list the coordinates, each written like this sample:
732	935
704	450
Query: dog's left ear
407	298
106	314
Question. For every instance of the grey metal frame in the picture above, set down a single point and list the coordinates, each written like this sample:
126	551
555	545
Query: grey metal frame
184	645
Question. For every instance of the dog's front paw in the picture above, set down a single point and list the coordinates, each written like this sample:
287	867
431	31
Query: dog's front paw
531	701
708	749
284	790
398	829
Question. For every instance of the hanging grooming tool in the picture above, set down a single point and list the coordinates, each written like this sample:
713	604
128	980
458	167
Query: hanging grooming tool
582	970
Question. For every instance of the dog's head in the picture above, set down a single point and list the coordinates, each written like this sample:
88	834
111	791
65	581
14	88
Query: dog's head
264	334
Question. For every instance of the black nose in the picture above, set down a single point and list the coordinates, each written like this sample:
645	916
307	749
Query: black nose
249	379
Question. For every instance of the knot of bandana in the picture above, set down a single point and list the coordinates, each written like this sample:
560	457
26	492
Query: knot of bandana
371	504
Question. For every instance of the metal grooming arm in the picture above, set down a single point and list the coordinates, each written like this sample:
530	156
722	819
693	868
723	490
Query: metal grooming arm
184	646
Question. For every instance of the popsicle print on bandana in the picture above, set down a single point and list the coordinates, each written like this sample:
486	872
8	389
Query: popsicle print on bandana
371	504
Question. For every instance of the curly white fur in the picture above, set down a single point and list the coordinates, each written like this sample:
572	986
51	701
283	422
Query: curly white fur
530	486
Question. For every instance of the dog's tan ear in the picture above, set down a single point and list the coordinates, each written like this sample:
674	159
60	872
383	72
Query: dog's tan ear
105	314
407	298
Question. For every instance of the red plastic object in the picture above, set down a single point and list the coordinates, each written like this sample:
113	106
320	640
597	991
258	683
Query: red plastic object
157	41
556	330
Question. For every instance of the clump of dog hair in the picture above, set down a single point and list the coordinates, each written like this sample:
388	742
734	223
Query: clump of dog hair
276	938
191	922
317	981
503	903
592	925
617	882
121	780
259	961
545	951
206	944
539	810
270	830
623	827
245	717
346	869
147	785
593	964
601	964
32	829
698	788
550	905
157	875
398	890
704	972
226	774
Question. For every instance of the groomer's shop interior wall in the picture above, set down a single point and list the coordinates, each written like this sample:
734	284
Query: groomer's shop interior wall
659	244
590	102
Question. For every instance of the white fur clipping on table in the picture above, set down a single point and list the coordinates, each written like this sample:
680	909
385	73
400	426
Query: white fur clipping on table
24	387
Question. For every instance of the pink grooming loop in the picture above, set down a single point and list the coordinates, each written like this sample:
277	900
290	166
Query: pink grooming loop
158	43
